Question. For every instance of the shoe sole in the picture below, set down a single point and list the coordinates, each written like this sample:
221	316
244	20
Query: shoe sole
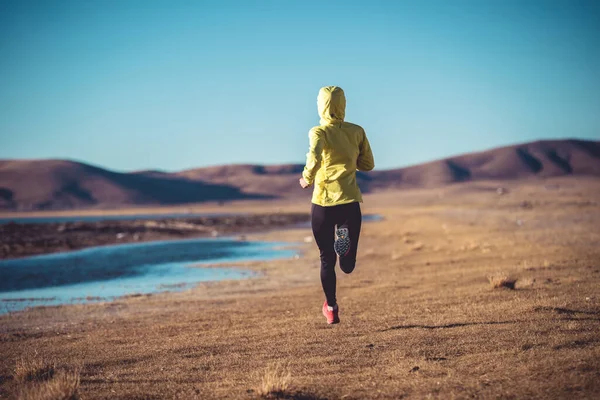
336	320
342	243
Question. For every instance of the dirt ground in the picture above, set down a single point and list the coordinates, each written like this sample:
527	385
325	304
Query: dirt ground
419	317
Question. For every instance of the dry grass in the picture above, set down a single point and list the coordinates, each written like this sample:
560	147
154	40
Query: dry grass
501	280
33	368
38	378
63	385
275	381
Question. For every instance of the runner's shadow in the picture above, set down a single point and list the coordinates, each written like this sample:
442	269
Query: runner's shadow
449	326
296	396
560	310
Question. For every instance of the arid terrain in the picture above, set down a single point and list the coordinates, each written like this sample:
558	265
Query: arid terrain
473	290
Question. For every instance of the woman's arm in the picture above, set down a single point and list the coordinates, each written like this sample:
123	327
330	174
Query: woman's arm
365	160
313	157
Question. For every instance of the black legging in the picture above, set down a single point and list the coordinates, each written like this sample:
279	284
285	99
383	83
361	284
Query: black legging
324	221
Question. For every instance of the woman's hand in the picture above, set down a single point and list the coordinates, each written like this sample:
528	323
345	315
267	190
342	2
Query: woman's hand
303	183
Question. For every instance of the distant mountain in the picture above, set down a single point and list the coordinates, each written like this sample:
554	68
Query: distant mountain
57	184
543	159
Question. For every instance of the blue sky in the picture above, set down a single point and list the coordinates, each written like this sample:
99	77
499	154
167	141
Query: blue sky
171	85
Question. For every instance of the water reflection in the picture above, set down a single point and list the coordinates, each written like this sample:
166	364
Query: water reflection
106	272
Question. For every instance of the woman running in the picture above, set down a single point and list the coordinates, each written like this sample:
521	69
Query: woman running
337	150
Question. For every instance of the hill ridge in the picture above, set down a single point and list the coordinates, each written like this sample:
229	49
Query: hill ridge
68	184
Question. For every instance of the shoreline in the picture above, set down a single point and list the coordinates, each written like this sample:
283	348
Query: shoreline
261	272
30	239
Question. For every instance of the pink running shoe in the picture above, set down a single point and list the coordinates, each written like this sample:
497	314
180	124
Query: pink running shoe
331	313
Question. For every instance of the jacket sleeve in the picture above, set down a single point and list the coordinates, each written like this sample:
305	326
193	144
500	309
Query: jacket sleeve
313	157
365	160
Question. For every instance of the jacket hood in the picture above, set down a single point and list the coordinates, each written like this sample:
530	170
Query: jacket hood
331	104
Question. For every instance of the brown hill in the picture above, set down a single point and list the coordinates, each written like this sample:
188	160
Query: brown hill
58	184
54	184
277	180
543	159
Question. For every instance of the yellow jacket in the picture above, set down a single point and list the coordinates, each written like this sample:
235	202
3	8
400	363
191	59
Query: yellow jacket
337	150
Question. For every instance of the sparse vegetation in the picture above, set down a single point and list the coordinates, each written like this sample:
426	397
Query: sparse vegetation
275	381
38	378
63	385
33	368
501	280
